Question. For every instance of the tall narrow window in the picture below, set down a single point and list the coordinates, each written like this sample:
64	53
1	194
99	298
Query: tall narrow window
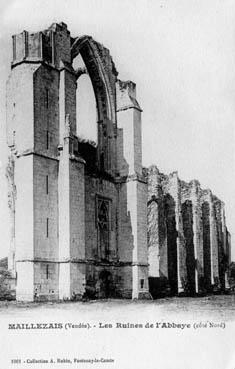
103	227
47	140
47	230
102	162
47	271
47	98
47	185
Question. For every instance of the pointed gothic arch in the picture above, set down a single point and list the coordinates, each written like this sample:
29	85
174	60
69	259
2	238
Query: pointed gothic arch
103	75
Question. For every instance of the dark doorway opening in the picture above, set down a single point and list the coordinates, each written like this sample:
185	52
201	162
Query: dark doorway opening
106	284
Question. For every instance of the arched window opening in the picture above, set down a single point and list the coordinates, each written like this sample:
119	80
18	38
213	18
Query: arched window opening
86	104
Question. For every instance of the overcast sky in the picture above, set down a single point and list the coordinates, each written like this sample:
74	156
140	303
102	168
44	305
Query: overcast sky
181	54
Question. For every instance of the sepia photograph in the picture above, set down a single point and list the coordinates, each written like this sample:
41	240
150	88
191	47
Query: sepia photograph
117	172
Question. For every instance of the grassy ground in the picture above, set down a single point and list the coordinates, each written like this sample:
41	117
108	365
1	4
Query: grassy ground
216	306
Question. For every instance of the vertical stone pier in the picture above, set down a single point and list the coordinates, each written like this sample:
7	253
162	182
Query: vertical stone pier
181	252
197	236
214	246
153	220
71	193
130	167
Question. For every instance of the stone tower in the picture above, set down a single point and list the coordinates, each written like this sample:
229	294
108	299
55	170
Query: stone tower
79	219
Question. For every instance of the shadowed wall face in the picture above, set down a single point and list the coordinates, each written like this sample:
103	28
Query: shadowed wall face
187	216
222	254
171	243
206	243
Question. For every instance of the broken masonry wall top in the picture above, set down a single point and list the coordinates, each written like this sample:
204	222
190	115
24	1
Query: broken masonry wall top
51	46
126	95
157	180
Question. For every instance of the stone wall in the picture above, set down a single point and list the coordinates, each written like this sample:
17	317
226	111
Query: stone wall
7	285
193	249
7	282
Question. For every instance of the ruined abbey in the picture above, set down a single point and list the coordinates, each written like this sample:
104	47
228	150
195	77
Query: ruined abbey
89	220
